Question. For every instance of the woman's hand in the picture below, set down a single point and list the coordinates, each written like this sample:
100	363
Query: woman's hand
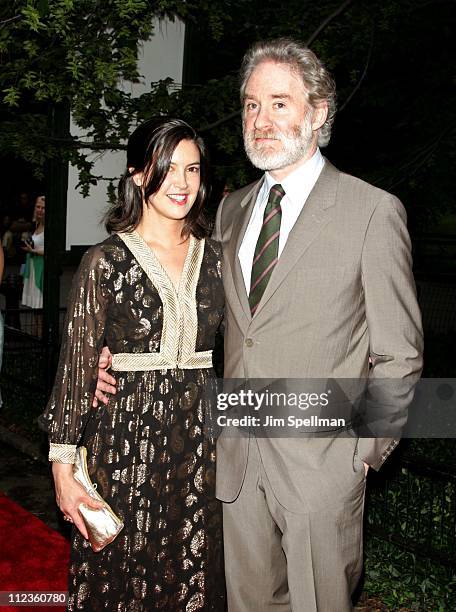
27	248
70	494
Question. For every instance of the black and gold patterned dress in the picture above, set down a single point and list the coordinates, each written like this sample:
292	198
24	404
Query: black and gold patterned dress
148	450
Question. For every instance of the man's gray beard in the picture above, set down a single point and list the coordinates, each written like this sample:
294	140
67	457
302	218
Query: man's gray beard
295	146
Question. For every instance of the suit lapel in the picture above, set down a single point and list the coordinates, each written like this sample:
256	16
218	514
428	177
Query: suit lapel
237	235
315	215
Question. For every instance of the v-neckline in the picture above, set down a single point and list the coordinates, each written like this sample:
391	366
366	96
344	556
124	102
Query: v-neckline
177	289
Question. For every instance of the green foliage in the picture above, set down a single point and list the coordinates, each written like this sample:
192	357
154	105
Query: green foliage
409	521
440	451
390	59
79	52
404	582
415	507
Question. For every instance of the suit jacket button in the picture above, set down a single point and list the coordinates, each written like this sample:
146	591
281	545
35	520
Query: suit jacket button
249	342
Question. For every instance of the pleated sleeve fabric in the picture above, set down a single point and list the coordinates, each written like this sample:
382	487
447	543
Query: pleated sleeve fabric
69	406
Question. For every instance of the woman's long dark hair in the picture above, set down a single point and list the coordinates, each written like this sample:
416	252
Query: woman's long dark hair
149	150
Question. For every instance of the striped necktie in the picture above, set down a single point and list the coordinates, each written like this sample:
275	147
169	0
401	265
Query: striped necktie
267	248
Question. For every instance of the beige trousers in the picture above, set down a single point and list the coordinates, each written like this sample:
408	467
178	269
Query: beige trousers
278	560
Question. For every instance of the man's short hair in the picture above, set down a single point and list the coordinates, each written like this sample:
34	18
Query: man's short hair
318	82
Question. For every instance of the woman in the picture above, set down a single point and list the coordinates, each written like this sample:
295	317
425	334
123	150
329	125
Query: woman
32	293
153	293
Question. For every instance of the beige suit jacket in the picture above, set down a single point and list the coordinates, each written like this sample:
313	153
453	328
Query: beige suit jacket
342	292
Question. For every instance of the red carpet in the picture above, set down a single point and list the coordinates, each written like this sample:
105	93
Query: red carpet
33	557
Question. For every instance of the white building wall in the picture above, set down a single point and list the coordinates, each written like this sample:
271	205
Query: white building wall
159	58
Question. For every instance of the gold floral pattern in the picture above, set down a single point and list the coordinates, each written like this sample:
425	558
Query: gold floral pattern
147	449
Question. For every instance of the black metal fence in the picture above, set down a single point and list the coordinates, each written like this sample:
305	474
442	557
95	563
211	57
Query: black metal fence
27	371
412	504
434	253
410	532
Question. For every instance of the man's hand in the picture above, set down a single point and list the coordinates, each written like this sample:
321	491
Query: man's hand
105	383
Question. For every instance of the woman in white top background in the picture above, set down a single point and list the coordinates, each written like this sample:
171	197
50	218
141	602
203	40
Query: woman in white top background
32	294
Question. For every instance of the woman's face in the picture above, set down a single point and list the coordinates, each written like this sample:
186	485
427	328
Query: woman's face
180	188
39	208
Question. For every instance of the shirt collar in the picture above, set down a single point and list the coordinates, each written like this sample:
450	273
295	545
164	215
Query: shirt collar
306	174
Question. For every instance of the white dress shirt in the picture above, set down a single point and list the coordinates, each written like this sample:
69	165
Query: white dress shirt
297	187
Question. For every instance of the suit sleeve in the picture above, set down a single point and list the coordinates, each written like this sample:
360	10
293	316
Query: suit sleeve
394	326
217	235
217	232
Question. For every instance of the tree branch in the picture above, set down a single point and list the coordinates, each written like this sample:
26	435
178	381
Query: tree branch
414	170
99	145
327	21
417	160
210	126
74	143
100	177
313	36
431	3
10	19
363	75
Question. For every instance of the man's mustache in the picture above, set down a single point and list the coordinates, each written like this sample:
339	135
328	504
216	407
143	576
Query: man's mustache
269	135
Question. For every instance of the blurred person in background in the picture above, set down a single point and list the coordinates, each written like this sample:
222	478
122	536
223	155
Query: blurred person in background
33	245
16	221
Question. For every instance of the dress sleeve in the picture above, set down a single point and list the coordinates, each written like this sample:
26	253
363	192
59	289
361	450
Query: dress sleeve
69	406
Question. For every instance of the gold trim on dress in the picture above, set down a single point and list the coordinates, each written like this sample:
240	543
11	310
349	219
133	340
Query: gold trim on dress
180	316
62	453
140	362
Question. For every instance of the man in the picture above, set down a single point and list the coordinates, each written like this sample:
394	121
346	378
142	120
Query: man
335	288
317	275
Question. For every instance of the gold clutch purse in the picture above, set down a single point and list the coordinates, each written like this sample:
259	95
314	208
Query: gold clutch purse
103	525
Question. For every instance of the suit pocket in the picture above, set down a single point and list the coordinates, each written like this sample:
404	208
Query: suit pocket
358	465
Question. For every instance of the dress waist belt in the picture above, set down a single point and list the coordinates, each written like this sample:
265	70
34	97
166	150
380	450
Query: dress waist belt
139	362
